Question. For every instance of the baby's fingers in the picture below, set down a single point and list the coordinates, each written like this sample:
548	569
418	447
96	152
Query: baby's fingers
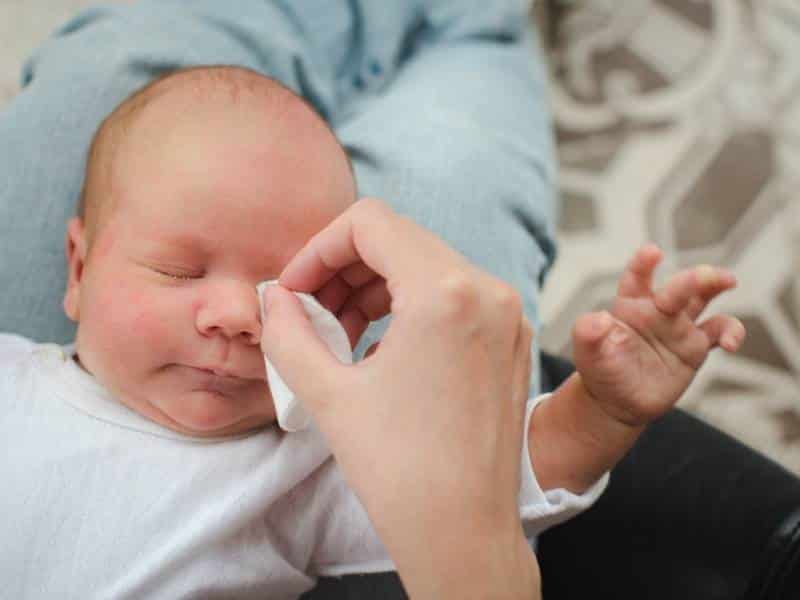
637	279
692	290
724	331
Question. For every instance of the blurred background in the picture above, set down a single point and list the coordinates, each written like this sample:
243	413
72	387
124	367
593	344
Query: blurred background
678	122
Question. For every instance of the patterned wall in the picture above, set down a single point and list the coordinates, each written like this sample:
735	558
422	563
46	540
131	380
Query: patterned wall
678	121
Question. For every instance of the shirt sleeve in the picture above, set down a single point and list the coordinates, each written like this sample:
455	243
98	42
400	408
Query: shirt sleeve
540	509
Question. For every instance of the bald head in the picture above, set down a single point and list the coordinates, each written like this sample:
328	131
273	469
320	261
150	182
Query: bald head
136	125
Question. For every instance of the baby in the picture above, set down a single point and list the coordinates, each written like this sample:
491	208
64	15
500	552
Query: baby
144	461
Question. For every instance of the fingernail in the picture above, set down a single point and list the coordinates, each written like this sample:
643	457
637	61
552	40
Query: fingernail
269	296
735	338
729	340
706	274
742	333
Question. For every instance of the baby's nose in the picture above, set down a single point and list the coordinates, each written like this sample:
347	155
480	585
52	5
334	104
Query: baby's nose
233	311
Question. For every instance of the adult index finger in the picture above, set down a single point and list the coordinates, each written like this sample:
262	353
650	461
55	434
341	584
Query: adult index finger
370	232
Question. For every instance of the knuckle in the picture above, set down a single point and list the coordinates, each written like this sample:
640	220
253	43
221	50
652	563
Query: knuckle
648	318
508	300
698	347
682	327
457	295
371	205
367	209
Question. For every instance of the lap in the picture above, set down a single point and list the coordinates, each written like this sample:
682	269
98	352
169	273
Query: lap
688	513
461	143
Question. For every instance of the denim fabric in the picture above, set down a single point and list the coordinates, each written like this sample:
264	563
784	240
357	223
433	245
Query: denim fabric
441	104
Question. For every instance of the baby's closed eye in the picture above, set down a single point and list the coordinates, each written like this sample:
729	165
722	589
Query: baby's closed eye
177	274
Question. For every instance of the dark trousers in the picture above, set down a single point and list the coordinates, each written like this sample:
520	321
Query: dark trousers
690	513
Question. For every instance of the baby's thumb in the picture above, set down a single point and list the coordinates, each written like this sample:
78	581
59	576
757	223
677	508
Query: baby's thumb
289	341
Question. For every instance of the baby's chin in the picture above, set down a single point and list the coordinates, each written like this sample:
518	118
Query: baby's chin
210	413
205	413
201	407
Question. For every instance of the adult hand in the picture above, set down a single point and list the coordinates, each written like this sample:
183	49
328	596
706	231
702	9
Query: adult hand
427	429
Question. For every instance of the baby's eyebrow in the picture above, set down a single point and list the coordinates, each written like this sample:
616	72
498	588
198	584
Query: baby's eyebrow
182	246
184	242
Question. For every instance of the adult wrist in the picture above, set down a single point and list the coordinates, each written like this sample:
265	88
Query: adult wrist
475	566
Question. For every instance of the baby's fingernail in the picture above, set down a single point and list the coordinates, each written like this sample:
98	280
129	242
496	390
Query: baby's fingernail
736	337
741	332
706	274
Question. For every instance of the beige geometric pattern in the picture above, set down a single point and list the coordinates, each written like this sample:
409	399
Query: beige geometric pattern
678	122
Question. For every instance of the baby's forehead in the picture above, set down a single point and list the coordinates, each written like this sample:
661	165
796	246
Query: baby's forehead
241	105
206	116
228	91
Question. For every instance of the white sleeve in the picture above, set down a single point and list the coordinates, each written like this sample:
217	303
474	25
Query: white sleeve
539	509
347	543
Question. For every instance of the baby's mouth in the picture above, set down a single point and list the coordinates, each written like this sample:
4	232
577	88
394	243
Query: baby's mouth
217	379
218	372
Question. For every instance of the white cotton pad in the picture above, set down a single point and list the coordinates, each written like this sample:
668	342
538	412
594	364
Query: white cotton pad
291	414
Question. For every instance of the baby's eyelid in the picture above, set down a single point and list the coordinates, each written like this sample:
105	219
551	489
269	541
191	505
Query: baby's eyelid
179	276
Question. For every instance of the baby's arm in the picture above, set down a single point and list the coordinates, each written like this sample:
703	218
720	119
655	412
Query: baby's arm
633	364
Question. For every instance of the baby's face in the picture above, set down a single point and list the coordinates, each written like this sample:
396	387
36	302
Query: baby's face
209	202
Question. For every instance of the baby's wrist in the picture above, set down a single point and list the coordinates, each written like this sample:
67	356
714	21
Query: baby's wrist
573	441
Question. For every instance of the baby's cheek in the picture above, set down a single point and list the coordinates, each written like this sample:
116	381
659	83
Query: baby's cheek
152	319
133	314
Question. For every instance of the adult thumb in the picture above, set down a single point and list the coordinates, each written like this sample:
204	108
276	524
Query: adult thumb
289	341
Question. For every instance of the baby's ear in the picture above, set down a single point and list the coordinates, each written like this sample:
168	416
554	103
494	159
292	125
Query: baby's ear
75	248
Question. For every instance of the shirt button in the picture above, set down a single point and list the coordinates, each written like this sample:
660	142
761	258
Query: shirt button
358	82
375	68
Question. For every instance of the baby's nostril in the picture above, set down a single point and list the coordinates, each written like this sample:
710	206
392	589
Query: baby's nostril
251	337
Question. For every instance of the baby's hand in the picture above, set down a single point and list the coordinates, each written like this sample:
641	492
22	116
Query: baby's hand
637	360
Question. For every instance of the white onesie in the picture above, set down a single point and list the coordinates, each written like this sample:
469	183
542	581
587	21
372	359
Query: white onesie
99	502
